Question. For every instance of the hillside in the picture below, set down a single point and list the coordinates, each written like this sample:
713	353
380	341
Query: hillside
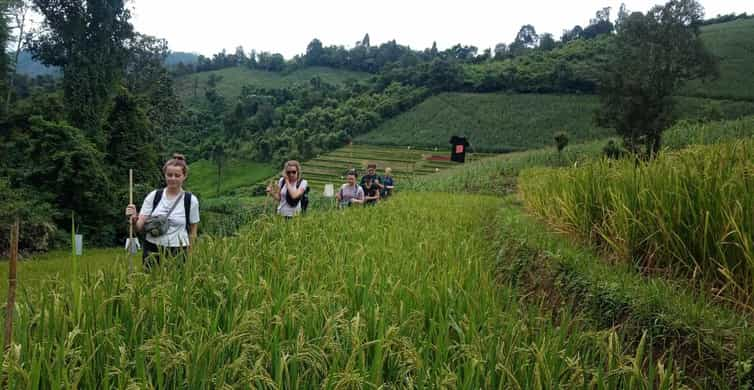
493	122
733	44
500	122
233	79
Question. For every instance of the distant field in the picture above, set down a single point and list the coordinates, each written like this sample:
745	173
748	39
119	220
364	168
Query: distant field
733	44
496	122
236	174
233	79
405	163
501	122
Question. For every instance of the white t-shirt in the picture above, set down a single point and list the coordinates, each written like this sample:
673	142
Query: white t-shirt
349	193
284	208
177	235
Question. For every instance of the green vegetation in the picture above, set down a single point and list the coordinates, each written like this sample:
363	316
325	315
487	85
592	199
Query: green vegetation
236	174
493	122
733	44
502	122
257	311
191	88
58	265
687	214
713	344
689	133
497	175
405	162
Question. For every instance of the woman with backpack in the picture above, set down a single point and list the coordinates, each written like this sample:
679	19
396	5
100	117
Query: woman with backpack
169	216
291	191
351	192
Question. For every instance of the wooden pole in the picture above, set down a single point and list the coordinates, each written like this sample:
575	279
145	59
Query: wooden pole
130	221
14	233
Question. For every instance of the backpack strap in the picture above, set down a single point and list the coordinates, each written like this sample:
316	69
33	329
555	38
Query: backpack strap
156	200
187	209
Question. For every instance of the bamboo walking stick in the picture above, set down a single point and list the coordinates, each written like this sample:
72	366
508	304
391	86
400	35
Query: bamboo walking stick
132	246
14	233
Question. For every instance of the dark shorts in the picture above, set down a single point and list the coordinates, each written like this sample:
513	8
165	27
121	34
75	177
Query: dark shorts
152	255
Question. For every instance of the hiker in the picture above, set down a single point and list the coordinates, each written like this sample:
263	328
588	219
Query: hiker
169	216
371	191
387	183
371	169
291	191
350	192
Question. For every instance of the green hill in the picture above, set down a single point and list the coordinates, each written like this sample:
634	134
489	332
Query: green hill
233	79
733	44
500	122
497	122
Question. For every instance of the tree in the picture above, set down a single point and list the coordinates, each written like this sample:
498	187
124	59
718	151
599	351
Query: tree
314	53
501	51
365	42
526	39
653	55
4	33
88	39
547	42
19	10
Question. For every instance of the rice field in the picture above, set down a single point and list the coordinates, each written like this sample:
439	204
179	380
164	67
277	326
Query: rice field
688	213
406	162
328	301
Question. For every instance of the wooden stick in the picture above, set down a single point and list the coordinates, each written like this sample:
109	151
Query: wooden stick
130	221
14	233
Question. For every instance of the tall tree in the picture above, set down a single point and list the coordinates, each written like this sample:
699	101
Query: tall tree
88	39
526	39
4	35
653	55
18	10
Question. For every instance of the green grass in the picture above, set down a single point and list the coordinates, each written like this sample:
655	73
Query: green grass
233	79
497	122
689	133
236	174
689	213
497	175
332	301
406	163
733	44
503	122
58	264
711	342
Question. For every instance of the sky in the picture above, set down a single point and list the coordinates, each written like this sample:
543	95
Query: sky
287	26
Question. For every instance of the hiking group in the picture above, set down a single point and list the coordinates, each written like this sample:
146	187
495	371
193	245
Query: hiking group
171	230
291	190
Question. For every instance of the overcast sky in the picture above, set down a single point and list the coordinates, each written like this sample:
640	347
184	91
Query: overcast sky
287	26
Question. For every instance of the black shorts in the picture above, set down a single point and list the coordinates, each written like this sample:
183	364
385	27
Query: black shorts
152	254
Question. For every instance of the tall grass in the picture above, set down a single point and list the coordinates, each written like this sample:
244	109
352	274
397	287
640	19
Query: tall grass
689	213
329	301
688	133
497	176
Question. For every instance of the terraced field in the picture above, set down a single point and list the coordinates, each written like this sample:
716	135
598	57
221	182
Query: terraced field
405	163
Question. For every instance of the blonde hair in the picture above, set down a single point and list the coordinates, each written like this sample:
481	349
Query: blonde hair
178	160
388	171
292	163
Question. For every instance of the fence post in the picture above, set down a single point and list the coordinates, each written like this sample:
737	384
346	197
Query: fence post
14	233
